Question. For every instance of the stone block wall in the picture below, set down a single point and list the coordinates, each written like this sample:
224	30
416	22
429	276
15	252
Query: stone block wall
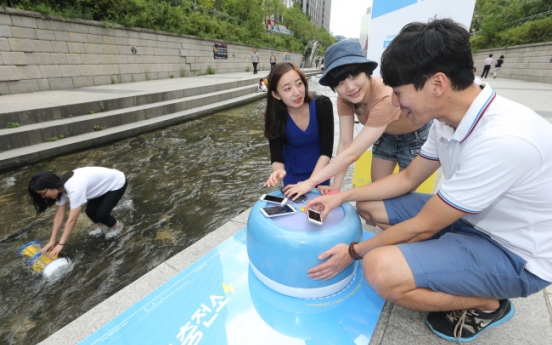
41	52
530	62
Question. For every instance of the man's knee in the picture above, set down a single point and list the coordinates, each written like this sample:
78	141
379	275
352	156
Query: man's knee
372	211
388	273
373	265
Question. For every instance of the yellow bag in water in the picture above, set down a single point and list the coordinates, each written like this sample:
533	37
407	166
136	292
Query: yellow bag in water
39	262
42	263
30	249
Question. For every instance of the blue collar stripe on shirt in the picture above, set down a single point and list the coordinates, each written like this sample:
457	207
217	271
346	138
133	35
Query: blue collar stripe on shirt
456	206
480	115
428	157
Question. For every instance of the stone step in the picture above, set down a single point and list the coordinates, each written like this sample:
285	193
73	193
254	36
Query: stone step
124	110
62	129
34	153
111	99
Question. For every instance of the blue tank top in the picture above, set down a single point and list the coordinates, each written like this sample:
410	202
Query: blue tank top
302	149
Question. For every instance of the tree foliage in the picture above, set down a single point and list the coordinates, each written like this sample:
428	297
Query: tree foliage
241	21
499	23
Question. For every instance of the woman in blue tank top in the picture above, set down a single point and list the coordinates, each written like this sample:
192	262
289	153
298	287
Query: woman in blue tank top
299	128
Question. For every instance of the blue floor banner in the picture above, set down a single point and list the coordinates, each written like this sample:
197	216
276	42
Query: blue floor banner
218	300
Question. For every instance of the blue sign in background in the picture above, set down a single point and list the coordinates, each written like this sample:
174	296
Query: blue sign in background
218	300
381	7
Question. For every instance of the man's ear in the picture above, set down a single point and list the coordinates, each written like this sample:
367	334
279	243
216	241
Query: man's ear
439	84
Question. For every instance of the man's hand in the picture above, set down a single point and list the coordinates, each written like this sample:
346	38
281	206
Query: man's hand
339	259
324	204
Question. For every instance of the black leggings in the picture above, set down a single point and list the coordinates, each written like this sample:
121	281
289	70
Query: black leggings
99	209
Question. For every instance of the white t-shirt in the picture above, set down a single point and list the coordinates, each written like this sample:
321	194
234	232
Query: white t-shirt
90	183
498	169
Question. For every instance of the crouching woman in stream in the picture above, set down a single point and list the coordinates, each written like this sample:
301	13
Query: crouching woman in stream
101	187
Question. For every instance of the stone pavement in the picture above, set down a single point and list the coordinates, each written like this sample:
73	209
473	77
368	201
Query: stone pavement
531	324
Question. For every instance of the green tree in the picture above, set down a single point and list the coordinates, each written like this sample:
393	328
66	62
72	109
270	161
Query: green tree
507	10
298	22
232	20
500	22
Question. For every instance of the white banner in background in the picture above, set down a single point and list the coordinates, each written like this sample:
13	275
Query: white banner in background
389	16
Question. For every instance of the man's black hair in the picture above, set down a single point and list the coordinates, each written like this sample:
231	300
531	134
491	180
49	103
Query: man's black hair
421	50
338	74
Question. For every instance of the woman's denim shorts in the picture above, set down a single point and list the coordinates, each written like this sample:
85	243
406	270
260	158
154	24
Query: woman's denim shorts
401	148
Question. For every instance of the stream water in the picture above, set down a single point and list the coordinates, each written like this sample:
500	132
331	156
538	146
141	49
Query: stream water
184	182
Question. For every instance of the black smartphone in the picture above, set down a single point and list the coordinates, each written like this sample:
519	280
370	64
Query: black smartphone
273	199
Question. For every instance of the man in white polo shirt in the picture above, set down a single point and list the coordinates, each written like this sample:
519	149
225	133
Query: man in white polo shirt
486	235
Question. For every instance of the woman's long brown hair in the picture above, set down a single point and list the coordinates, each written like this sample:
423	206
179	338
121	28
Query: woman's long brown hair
276	111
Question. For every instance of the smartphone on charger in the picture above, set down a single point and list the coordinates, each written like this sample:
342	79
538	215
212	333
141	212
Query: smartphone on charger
314	216
273	199
275	211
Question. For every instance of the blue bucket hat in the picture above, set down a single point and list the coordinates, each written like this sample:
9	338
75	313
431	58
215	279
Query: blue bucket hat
344	53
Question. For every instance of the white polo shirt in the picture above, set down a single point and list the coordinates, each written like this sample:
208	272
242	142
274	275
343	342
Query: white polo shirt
498	169
89	183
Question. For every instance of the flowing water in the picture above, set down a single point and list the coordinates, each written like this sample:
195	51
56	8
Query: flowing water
183	182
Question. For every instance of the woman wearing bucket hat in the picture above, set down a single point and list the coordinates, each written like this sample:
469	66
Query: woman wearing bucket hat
394	138
101	188
298	126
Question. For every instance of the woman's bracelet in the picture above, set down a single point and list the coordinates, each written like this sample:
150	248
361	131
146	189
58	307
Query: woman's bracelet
352	253
61	244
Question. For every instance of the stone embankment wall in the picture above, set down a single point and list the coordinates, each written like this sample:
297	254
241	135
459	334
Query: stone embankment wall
40	52
530	62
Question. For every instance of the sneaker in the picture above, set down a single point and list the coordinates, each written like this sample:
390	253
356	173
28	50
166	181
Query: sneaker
466	325
97	231
114	230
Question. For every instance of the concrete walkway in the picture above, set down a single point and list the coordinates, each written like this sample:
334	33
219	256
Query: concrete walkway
532	323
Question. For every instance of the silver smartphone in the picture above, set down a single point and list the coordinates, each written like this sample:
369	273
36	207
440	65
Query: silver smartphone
273	199
314	217
275	211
